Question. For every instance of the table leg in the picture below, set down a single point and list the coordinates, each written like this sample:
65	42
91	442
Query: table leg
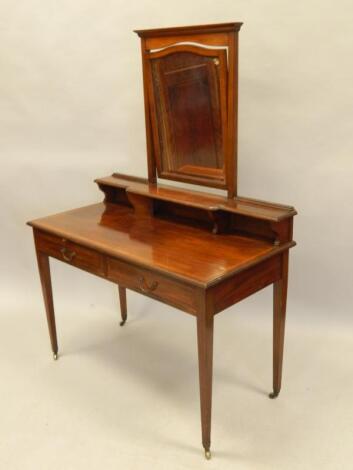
44	273
279	319
205	353
123	306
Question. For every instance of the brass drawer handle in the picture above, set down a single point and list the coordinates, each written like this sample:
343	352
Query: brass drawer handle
145	287
67	255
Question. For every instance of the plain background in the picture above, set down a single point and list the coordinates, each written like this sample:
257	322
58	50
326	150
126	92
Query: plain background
71	109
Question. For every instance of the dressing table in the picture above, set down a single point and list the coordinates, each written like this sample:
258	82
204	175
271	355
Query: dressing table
196	251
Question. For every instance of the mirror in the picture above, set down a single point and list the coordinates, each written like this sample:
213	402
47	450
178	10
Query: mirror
188	104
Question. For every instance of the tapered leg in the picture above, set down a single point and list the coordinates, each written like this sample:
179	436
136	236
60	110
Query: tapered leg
205	353
279	319
123	307
44	273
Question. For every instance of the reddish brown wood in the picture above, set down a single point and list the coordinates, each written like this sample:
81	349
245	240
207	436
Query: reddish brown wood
153	284
207	35
217	39
188	96
69	252
143	206
189	253
44	273
195	30
123	306
151	161
253	208
205	354
232	110
192	103
200	253
279	319
245	283
220	221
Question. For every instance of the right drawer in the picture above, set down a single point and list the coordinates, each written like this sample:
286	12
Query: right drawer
155	285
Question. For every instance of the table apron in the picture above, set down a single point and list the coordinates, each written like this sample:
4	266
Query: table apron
245	283
144	281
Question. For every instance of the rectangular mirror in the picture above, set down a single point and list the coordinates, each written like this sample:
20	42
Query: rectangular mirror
188	96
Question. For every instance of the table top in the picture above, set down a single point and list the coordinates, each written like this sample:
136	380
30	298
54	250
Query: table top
187	252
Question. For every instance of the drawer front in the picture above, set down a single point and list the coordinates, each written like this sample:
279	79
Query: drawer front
70	252
164	289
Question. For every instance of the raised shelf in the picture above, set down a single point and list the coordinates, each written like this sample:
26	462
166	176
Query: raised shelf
243	206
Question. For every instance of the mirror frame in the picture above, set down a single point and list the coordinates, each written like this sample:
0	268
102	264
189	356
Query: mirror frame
209	40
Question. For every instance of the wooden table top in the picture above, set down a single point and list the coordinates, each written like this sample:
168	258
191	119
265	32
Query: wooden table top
186	252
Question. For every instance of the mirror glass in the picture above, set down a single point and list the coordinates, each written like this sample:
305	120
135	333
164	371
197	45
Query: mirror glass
189	97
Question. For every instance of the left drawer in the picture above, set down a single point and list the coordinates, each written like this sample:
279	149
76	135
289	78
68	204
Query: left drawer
70	252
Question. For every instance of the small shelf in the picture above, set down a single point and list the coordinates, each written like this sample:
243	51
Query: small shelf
243	206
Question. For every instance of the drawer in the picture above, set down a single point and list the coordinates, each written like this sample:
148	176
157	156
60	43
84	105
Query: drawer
70	252
163	288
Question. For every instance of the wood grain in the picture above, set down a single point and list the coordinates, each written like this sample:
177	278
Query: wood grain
191	94
279	319
45	279
185	252
205	324
123	305
254	208
198	252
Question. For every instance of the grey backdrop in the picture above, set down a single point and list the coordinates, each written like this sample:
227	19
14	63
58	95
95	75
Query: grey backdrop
71	109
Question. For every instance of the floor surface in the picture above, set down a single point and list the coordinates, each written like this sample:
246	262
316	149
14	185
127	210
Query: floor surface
127	398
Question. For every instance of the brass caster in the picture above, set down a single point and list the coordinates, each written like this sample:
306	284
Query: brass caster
208	454
273	395
55	356
122	323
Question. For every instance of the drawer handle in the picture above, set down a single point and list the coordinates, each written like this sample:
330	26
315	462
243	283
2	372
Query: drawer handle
145	287
67	255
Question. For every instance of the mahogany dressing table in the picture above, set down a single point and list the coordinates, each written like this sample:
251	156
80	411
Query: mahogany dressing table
196	251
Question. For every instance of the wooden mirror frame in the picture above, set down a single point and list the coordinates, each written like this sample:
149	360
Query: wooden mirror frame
207	40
